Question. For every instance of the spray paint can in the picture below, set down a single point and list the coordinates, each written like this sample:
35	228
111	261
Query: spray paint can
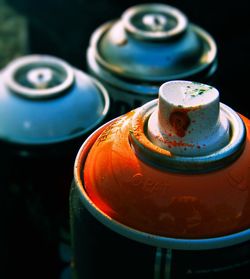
163	191
46	109
150	44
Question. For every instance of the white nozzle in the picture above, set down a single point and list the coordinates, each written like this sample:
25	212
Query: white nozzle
188	120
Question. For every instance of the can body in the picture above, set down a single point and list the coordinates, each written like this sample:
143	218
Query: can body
38	142
100	252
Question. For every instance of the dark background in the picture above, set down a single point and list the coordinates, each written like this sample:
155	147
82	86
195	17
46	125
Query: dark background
63	28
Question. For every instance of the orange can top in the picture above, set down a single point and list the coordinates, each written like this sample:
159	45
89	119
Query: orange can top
174	170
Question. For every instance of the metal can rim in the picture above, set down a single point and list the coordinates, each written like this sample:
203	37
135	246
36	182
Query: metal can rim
186	164
154	7
38	93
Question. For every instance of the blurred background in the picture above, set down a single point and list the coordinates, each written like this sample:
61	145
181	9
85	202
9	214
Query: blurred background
13	34
63	28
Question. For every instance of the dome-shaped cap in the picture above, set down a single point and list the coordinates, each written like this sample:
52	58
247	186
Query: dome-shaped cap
44	100
153	43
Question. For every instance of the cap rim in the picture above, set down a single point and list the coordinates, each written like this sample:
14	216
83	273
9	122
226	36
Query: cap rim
30	142
13	67
147	35
164	159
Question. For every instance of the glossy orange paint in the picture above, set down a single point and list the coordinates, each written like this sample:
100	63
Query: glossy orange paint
161	202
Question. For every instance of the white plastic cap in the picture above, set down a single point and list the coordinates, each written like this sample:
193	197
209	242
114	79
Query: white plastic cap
187	121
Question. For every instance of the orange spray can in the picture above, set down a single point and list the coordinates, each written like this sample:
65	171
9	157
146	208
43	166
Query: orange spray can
163	191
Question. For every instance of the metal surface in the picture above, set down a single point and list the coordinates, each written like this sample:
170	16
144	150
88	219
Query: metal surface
119	254
45	101
38	76
154	21
125	53
148	45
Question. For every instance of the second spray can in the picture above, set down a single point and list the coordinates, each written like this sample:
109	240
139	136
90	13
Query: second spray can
148	45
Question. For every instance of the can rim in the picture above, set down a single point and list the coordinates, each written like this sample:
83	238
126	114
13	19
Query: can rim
143	237
96	37
161	158
17	88
154	7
